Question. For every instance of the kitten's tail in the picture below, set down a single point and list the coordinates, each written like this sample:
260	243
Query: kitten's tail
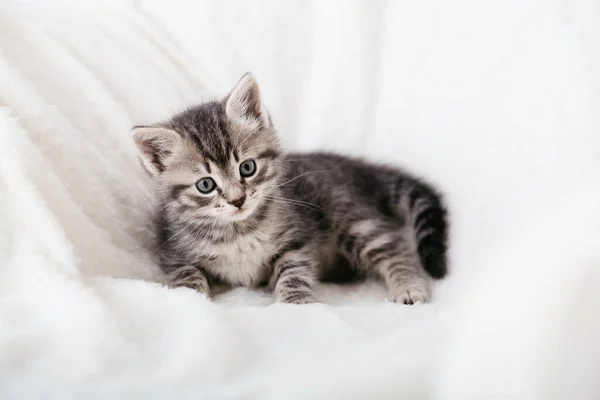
430	226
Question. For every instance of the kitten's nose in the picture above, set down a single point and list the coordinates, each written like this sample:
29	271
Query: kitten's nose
238	202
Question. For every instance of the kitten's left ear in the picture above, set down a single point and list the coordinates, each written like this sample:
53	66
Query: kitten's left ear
244	102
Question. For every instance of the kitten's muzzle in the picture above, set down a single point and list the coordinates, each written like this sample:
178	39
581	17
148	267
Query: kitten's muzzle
239	202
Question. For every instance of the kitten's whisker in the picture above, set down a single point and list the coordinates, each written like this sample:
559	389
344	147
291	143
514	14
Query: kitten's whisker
206	234
296	202
199	225
171	238
301	175
198	230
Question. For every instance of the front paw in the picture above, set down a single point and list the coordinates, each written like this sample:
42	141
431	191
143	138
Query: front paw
298	298
192	278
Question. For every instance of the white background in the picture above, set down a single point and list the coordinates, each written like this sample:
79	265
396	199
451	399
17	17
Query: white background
498	103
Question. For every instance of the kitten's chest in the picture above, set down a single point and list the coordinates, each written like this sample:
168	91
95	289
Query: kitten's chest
244	261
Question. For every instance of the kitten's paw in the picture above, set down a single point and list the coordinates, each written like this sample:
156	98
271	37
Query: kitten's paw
413	292
296	298
190	277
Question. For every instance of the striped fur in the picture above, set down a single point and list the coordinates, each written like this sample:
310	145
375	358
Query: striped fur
304	217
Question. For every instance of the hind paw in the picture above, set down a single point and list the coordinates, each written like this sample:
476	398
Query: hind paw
413	292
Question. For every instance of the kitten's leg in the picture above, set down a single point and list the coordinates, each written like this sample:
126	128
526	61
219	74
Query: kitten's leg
294	277
188	276
380	249
405	284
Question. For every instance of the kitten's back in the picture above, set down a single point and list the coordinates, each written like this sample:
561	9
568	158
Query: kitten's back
335	187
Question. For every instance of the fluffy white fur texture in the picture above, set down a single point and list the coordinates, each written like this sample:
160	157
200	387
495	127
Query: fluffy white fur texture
496	102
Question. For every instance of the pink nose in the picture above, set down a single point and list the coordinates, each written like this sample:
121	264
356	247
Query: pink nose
238	202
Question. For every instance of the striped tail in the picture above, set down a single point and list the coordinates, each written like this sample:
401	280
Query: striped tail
429	219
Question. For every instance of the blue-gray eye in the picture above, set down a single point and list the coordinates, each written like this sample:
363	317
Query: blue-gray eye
206	185
247	168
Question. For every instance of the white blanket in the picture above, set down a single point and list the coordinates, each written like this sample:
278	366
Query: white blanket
498	103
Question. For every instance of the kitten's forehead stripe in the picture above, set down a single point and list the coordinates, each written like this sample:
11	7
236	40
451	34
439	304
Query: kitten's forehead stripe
269	153
206	127
209	131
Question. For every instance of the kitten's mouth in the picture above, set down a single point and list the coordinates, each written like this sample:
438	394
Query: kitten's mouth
240	214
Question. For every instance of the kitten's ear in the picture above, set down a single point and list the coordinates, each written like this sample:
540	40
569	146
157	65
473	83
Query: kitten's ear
244	102
155	145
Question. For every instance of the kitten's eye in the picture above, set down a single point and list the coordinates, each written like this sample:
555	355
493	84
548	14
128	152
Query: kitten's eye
247	168
206	185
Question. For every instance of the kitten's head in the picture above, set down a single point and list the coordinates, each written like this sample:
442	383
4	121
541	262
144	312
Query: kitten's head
216	160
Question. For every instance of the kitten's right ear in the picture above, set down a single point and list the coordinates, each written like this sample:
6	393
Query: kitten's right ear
155	145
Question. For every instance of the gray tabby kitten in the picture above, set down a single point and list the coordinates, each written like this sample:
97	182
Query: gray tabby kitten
236	209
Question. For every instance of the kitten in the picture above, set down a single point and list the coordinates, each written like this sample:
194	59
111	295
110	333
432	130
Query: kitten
235	208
